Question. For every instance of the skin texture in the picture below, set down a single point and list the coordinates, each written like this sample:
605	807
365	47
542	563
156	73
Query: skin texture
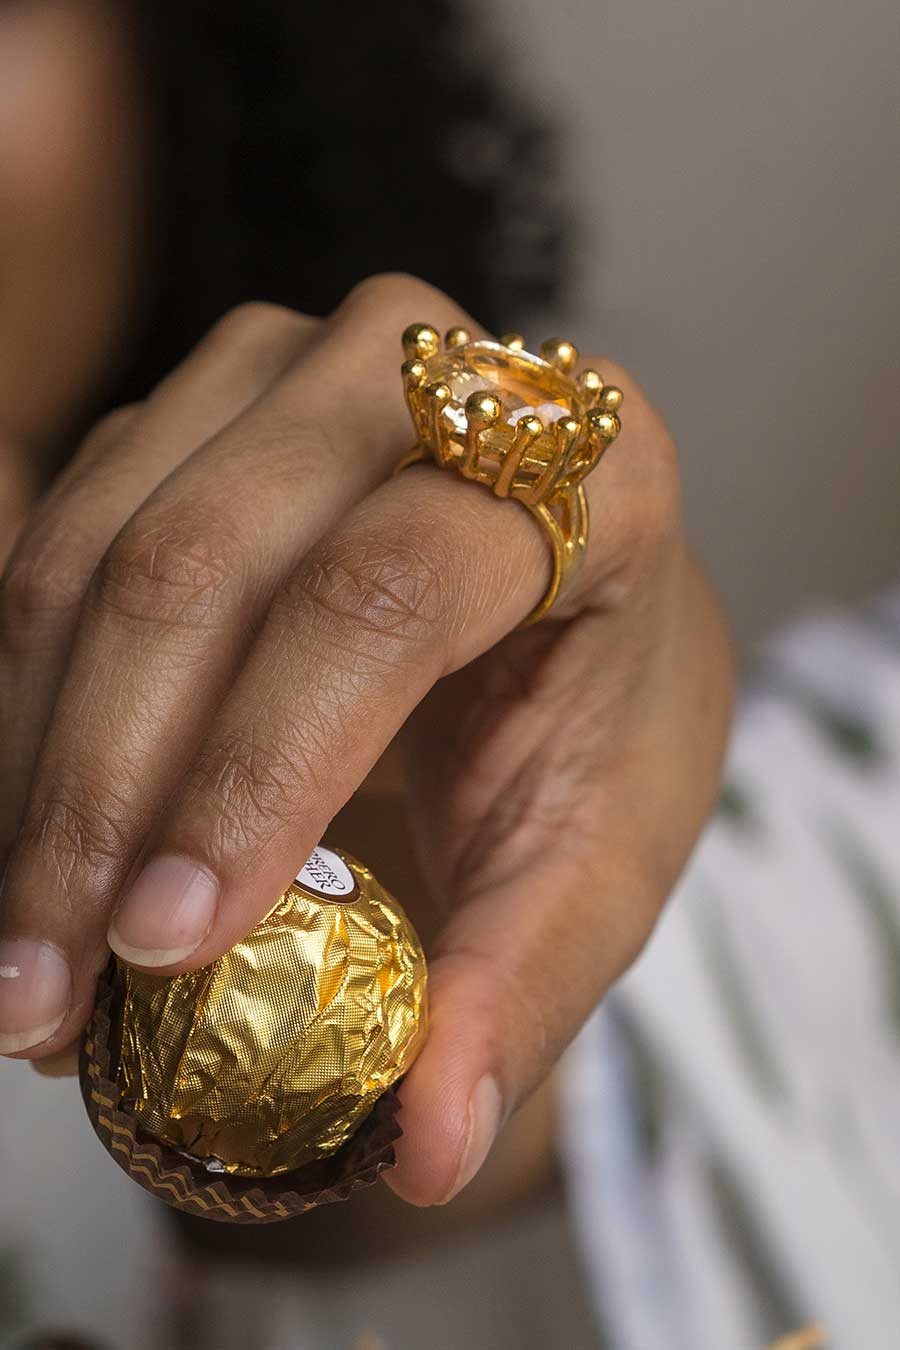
225	612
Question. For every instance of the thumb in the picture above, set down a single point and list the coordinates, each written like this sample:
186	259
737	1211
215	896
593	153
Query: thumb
515	975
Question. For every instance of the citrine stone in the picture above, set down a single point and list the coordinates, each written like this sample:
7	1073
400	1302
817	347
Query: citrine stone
525	384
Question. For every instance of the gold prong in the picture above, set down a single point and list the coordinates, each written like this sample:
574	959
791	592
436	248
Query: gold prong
413	373
528	429
438	396
514	341
581	456
589	383
565	432
610	399
559	353
457	337
420	340
604	426
482	411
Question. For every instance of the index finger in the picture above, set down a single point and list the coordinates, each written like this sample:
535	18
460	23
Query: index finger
168	618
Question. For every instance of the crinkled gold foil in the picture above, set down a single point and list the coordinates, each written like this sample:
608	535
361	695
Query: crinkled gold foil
274	1054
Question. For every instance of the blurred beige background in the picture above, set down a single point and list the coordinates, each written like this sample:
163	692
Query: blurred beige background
737	167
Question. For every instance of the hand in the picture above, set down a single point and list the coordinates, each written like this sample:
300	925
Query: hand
225	611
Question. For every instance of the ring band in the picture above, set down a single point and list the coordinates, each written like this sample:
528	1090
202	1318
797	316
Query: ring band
519	424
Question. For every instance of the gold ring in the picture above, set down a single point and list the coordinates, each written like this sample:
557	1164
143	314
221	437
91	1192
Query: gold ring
522	425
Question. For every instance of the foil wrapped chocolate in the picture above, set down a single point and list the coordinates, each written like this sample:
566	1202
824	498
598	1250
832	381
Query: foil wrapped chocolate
266	1074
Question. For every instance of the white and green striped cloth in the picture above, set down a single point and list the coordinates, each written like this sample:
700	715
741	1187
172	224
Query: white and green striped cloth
731	1124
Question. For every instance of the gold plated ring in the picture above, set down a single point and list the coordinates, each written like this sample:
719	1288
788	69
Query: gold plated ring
522	425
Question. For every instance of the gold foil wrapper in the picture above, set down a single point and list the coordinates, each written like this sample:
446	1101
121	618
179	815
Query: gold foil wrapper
187	1185
272	1056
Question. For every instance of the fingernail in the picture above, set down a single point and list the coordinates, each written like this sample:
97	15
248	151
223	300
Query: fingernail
166	914
35	990
485	1115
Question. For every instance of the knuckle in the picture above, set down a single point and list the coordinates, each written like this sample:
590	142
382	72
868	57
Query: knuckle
168	572
76	836
395	294
249	321
111	427
103	442
248	782
44	581
392	590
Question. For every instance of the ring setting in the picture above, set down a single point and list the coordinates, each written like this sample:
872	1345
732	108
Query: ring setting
520	424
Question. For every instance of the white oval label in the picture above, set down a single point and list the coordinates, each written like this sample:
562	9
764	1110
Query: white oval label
325	874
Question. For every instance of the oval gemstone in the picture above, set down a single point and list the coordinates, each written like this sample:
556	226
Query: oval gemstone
524	384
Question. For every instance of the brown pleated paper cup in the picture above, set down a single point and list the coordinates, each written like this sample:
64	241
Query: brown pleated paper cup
189	1185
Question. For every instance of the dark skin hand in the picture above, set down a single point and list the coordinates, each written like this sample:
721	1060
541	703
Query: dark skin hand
224	613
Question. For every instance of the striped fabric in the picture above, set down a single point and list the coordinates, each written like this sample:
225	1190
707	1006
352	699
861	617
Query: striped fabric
731	1124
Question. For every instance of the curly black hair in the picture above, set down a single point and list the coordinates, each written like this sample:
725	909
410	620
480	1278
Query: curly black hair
303	146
